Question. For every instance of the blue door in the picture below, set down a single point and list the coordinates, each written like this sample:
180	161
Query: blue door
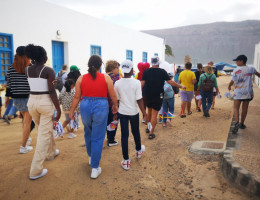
57	55
6	54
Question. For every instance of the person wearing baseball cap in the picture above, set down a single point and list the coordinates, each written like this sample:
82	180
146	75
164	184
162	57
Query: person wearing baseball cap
129	95
243	93
154	78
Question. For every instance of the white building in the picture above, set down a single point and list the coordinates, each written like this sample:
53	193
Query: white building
257	62
69	37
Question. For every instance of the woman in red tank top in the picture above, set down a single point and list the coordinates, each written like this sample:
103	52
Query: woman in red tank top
93	88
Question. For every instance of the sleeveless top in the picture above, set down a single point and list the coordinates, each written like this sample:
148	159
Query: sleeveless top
94	88
38	84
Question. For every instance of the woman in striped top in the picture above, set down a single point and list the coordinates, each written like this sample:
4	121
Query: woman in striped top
20	89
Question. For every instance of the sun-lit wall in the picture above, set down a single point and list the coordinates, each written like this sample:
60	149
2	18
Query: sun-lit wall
37	22
257	62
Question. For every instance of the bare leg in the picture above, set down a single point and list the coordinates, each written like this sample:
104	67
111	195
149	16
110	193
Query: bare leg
27	120
199	104
213	102
149	114
236	110
154	119
65	123
188	106
183	106
244	111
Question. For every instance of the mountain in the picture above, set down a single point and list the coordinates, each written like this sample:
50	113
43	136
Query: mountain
219	41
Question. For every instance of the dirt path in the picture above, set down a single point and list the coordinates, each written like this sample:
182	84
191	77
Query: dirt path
166	171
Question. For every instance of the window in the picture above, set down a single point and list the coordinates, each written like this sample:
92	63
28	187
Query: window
129	55
144	57
95	50
6	54
155	54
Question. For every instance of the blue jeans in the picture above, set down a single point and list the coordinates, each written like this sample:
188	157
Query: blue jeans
168	106
94	112
207	98
134	122
10	109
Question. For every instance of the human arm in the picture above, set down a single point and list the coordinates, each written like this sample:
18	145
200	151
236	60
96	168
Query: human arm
173	83
257	73
142	83
112	93
76	98
53	94
140	103
230	84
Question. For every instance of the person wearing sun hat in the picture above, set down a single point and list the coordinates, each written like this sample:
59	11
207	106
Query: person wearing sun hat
243	93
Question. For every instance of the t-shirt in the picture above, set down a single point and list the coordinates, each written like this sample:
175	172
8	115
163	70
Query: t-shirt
186	78
242	77
128	91
168	91
154	80
206	75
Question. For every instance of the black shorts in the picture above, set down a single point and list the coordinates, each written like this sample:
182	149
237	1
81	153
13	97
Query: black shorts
155	103
1	102
245	99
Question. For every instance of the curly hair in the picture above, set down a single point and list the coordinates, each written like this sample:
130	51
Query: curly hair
110	65
94	65
36	53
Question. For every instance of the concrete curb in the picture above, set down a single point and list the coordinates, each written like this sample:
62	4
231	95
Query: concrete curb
234	172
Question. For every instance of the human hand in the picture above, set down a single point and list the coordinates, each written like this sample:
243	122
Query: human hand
54	82
57	116
114	109
145	119
183	87
71	115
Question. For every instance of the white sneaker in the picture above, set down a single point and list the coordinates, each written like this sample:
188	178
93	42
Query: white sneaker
89	161
140	152
72	135
25	149
29	141
95	172
44	172
126	164
57	152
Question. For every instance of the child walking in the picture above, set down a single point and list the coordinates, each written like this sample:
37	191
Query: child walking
65	98
129	94
168	101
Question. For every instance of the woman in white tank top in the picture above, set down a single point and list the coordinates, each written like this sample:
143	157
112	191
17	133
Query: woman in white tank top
42	102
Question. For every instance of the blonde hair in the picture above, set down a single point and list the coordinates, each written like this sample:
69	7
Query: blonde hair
110	65
208	69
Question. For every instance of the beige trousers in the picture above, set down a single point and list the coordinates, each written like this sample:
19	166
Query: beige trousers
41	109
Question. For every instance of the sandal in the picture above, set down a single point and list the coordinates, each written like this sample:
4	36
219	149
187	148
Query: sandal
182	116
199	110
190	113
147	130
151	136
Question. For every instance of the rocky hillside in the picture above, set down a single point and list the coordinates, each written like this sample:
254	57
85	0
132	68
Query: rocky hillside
220	41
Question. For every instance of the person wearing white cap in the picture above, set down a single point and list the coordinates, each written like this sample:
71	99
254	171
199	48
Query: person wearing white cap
154	78
129	94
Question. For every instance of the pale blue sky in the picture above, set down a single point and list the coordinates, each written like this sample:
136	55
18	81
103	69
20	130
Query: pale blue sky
157	14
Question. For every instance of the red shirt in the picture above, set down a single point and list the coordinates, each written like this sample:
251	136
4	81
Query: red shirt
94	88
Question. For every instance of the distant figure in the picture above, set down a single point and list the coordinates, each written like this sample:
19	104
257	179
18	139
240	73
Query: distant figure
243	93
188	79
176	76
61	77
196	89
206	84
74	73
211	64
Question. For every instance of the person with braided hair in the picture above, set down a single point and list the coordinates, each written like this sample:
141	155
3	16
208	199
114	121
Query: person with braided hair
43	99
93	88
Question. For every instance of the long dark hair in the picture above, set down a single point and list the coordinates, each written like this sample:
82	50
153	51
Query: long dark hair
68	84
94	65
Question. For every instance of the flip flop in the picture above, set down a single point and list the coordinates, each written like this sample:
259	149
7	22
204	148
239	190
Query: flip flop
151	136
182	116
190	113
147	130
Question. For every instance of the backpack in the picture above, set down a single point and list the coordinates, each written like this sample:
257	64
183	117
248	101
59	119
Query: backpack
207	84
168	91
59	84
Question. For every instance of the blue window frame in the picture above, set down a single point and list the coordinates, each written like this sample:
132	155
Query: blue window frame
155	54
144	57
95	50
129	55
6	54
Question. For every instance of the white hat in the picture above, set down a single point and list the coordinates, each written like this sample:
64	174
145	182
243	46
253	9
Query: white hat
155	61
126	66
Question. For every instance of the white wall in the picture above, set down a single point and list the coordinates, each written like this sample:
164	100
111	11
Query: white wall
257	62
37	21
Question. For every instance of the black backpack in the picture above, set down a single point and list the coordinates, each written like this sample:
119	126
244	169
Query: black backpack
59	84
207	84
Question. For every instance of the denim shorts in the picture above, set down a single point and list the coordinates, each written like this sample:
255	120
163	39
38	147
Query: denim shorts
186	95
21	104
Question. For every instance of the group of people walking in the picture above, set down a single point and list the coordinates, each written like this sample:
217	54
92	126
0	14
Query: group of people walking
102	99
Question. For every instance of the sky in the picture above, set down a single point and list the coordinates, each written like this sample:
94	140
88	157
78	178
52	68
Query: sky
160	14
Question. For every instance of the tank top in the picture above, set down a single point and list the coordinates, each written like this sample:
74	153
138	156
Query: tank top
38	84
94	88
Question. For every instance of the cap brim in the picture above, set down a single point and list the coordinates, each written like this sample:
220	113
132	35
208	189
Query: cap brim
126	70
234	59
